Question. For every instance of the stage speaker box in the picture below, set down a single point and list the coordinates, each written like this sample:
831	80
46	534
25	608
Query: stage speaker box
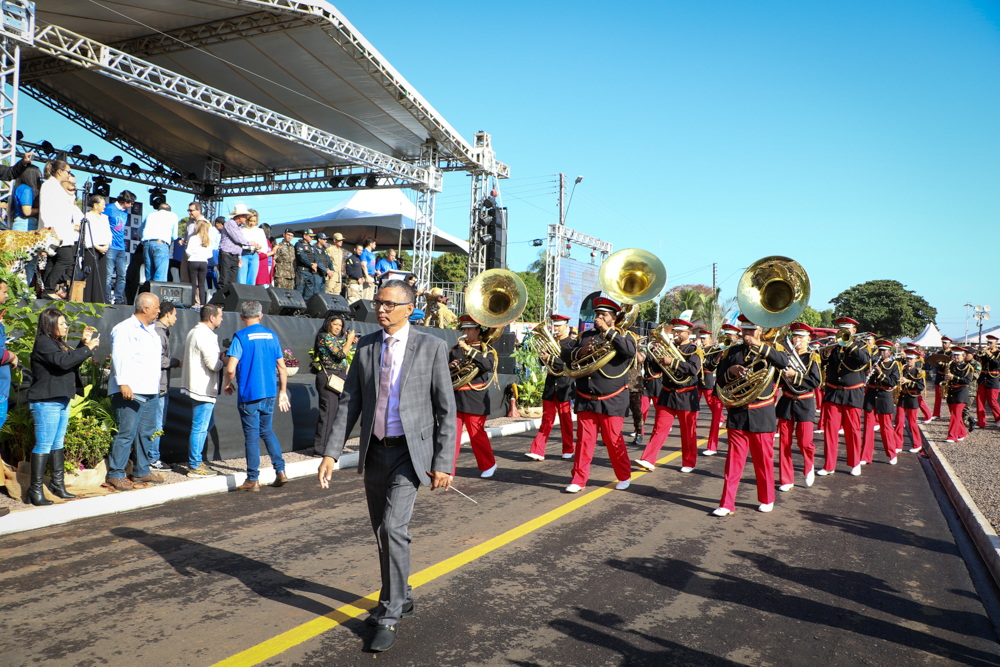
506	365
234	295
322	304
496	251
179	294
362	311
504	345
286	302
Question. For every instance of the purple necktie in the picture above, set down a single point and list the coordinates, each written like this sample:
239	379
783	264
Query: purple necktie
384	389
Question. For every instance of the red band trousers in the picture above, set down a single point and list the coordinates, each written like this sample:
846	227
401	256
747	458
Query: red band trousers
849	418
956	427
803	432
661	429
549	411
587	425
885	430
761	448
715	405
481	447
986	397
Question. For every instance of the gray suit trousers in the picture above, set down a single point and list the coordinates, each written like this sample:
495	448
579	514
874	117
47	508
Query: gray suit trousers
391	487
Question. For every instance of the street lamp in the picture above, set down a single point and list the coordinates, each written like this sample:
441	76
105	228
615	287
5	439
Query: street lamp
575	183
967	306
981	313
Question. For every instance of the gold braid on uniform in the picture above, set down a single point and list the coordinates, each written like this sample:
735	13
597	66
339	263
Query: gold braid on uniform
843	362
631	363
488	350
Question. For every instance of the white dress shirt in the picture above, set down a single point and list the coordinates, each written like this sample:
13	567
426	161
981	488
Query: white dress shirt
58	211
135	358
393	426
160	226
98	230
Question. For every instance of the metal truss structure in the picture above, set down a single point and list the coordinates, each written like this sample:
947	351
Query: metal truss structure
481	179
559	237
357	166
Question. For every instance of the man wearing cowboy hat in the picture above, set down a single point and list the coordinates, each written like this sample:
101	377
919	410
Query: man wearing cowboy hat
335	251
843	399
231	244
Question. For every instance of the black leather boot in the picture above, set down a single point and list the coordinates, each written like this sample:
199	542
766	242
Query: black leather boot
58	468
35	493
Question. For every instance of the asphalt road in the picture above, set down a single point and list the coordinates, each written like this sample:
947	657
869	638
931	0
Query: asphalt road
853	571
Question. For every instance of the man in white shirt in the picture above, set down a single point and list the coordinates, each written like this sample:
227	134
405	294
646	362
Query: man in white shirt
159	231
200	382
134	385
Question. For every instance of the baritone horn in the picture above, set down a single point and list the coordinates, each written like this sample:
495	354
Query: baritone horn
494	299
772	293
543	341
629	277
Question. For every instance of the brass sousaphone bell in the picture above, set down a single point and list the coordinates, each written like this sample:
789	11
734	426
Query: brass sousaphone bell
494	299
772	293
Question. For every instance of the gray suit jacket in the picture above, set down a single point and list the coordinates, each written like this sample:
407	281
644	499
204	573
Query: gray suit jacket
425	392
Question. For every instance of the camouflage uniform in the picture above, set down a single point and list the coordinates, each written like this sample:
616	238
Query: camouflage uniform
284	266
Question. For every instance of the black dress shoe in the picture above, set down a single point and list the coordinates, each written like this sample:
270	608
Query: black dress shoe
385	638
372	619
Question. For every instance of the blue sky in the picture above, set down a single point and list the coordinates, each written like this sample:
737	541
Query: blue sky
859	138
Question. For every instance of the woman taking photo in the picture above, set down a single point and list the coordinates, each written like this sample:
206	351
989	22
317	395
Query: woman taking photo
332	348
55	370
198	252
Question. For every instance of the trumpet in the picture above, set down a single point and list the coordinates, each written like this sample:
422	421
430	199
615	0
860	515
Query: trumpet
841	339
724	343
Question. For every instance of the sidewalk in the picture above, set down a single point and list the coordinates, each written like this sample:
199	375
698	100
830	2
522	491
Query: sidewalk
27	517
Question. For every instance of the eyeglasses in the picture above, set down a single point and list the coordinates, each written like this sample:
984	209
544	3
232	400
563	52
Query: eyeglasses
387	305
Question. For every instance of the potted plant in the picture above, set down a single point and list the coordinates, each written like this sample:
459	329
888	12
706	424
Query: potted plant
291	363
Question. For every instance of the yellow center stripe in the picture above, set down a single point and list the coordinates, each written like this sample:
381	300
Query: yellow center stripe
286	640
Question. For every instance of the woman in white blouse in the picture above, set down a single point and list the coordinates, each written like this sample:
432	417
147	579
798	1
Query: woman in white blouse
56	212
198	252
96	240
250	262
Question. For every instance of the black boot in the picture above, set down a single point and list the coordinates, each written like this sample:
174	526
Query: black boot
58	467
35	493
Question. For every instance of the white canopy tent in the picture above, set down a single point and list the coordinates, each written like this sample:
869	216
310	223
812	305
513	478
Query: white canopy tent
388	216
929	337
973	336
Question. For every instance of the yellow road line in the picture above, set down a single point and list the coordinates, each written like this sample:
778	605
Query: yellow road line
286	640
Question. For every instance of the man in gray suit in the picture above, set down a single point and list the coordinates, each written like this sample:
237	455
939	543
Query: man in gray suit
400	386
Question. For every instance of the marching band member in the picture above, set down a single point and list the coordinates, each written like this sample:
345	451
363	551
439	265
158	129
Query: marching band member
913	386
939	378
706	388
797	412
601	396
734	331
843	399
472	401
557	398
879	405
652	384
636	385
925	410
751	426
958	377
677	400
989	382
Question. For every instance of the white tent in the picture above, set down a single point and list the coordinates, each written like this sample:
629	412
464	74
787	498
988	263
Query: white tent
974	335
387	215
929	337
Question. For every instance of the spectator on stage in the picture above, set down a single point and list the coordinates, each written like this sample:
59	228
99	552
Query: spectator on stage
166	319
250	258
265	258
386	264
199	252
96	241
357	274
23	210
55	212
200	382
15	172
118	213
159	231
335	251
256	362
215	233
368	257
332	347
55	368
232	244
134	387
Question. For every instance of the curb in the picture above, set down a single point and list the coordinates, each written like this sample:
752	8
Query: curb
980	529
86	508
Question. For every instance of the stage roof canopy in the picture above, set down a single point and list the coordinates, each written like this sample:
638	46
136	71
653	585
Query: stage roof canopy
299	58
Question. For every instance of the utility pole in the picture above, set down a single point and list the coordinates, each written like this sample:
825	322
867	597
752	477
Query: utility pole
562	199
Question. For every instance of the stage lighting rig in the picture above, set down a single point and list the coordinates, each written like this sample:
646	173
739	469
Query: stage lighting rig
352	181
336	181
76	150
371	181
157	196
102	186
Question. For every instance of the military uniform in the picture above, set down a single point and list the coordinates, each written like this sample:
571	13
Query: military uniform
909	396
601	401
472	403
354	268
556	399
796	413
958	397
843	399
335	284
879	407
284	266
989	386
677	400
750	427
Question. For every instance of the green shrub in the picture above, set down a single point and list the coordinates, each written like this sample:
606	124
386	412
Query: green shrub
88	441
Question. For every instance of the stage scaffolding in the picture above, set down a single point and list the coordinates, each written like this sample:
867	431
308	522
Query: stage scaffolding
559	239
402	142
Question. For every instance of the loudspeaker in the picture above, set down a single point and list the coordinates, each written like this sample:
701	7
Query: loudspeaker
504	345
286	302
322	304
506	365
234	295
496	251
179	294
362	311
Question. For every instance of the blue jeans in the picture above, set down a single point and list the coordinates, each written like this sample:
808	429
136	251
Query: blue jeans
157	260
3	411
136	422
117	267
51	419
161	414
202	421
248	272
256	418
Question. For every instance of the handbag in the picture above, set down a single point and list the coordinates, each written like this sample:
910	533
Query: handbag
334	383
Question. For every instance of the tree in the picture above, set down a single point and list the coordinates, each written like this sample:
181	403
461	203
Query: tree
827	318
811	317
536	297
885	307
449	267
537	267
